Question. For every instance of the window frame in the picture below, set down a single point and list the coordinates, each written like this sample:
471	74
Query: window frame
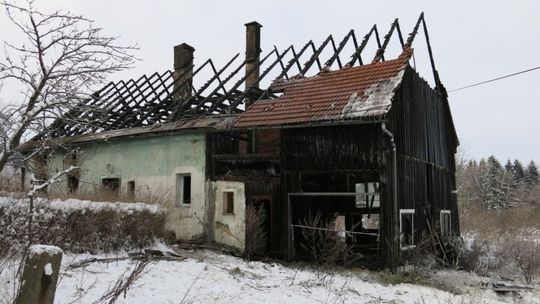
362	199
180	189
401	213
225	202
448	233
131	189
72	184
111	190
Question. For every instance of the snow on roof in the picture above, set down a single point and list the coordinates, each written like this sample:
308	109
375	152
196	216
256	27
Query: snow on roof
350	93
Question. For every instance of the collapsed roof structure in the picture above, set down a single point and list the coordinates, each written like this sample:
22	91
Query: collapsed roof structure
169	96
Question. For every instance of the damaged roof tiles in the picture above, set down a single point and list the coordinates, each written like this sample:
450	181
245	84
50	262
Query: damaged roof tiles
362	92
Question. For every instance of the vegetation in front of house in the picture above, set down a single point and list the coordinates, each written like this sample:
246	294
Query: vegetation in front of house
79	226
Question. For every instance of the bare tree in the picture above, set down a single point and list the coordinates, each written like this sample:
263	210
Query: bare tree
62	58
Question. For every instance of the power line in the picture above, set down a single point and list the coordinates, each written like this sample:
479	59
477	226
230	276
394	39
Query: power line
494	79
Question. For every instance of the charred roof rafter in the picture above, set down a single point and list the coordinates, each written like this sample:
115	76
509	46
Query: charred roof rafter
150	99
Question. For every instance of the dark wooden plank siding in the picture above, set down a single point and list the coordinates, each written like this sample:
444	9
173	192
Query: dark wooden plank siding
335	148
426	145
421	122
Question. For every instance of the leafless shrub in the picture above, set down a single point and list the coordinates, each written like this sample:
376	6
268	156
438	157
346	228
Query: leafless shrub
476	257
323	243
256	238
11	266
81	230
12	247
525	255
123	284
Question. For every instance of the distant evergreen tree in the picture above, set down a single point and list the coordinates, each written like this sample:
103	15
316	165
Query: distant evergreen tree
495	187
531	174
508	166
494	164
518	172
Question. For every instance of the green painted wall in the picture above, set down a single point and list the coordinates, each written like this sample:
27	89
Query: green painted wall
152	163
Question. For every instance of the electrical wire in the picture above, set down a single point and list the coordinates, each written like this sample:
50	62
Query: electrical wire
494	79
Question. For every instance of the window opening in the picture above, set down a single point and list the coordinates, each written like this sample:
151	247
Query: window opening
367	195
445	220
406	228
73	184
111	185
228	202
370	221
183	189
131	189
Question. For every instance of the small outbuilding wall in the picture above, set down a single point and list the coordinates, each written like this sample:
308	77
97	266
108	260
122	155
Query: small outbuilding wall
228	223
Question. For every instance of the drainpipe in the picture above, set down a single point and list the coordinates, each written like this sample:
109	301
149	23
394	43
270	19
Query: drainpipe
395	223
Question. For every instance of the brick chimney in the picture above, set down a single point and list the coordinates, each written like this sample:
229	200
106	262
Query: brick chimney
183	69
253	52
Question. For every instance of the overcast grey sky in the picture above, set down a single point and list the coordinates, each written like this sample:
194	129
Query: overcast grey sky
472	41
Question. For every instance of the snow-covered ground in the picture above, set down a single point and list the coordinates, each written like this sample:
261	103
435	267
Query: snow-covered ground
209	277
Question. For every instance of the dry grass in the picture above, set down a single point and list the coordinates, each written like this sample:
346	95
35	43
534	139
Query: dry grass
144	195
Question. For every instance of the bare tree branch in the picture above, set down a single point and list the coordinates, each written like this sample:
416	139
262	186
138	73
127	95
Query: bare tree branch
63	57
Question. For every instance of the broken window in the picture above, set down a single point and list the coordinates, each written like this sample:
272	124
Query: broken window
406	228
131	189
445	225
183	189
73	183
367	195
370	221
111	185
339	226
228	202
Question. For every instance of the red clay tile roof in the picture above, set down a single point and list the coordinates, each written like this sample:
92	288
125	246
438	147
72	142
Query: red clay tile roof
350	93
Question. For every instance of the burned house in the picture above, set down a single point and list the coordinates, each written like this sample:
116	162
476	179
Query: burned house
369	145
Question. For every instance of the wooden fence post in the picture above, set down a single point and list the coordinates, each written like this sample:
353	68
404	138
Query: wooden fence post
40	275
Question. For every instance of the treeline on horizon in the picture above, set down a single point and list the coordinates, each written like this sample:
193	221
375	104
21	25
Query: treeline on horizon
488	184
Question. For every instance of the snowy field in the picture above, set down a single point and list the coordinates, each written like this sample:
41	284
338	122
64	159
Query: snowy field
209	277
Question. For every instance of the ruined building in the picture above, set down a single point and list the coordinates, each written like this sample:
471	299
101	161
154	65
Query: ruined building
361	139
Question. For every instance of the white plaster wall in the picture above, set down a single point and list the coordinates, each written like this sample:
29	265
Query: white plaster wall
187	221
230	229
152	163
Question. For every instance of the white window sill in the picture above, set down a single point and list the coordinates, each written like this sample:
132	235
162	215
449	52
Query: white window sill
410	247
